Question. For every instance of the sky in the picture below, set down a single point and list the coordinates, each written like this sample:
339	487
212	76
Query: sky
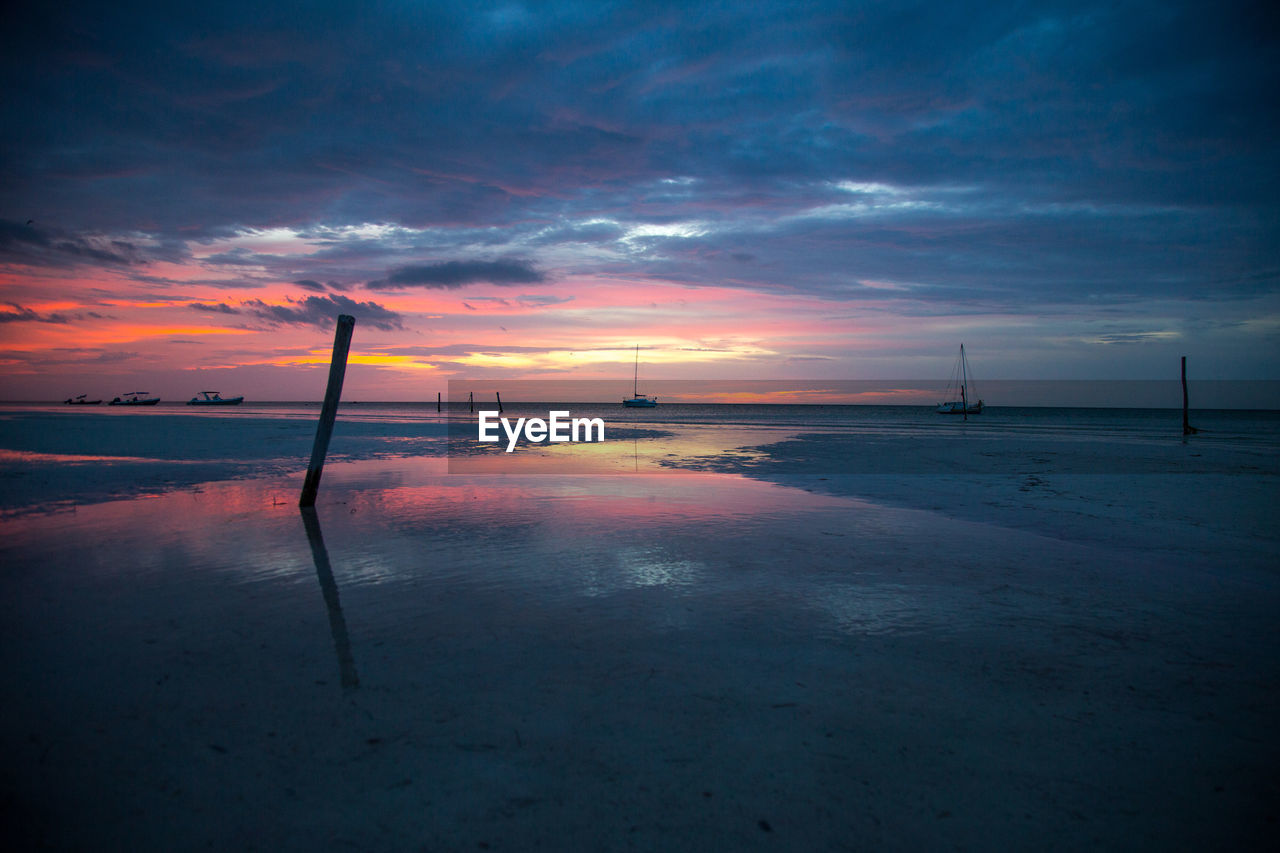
821	190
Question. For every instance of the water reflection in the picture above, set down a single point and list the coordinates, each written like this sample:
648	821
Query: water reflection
329	588
624	450
620	552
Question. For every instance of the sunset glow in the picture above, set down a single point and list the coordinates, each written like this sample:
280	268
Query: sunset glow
827	194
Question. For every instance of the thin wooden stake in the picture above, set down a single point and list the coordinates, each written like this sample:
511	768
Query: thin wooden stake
1187	428
437	401
471	401
332	394
499	396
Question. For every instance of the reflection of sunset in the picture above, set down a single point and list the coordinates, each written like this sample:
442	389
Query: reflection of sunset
422	491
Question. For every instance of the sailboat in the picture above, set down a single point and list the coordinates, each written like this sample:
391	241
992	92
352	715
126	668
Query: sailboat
638	400
962	406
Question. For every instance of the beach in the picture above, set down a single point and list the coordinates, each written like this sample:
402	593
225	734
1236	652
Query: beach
810	631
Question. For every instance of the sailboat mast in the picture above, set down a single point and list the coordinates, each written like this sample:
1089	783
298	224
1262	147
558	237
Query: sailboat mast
635	382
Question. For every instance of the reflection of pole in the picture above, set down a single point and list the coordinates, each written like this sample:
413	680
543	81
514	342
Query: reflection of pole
333	393
329	588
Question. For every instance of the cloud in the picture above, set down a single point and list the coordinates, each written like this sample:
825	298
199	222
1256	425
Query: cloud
215	308
62	356
1111	154
451	275
19	314
322	312
541	300
32	244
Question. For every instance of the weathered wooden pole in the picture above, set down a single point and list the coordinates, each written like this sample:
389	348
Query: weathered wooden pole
471	401
499	396
332	394
1187	428
437	401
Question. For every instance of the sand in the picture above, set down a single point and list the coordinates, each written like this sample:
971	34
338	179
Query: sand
837	659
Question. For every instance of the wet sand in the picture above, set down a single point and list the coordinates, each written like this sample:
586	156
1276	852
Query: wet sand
684	661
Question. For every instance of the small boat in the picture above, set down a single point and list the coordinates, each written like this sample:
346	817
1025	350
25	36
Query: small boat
134	398
638	400
960	380
213	398
79	400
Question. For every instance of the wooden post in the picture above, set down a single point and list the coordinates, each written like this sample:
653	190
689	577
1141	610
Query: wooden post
332	394
499	396
437	401
471	401
1187	428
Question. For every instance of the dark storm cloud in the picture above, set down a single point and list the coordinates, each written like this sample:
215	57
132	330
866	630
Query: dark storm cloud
322	312
451	275
1113	150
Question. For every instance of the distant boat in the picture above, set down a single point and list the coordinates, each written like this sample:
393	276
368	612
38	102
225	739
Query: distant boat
960	379
79	400
134	398
638	400
213	398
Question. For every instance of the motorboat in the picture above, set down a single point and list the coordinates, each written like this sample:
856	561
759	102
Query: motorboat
213	398
135	398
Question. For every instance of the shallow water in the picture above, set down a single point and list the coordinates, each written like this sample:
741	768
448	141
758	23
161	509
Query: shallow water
443	661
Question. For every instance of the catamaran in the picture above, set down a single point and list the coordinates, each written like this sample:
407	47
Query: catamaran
960	378
638	400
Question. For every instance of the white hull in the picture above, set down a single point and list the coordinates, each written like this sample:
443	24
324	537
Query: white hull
220	401
959	386
137	398
958	408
